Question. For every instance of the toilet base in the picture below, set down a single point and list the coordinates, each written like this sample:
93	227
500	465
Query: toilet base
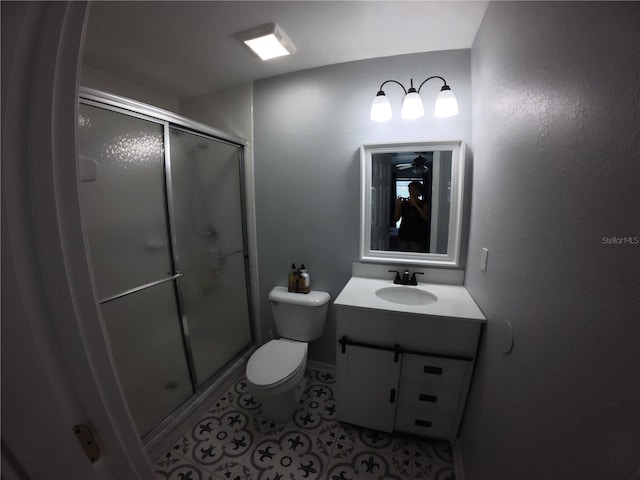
279	408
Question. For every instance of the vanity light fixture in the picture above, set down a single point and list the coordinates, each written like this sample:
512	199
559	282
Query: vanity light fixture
412	107
267	41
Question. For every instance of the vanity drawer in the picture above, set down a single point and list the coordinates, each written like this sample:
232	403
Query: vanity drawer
423	423
428	397
443	371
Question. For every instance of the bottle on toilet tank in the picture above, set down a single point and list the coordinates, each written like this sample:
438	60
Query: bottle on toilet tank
293	278
305	281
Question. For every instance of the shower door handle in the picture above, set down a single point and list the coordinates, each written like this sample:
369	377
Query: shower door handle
141	287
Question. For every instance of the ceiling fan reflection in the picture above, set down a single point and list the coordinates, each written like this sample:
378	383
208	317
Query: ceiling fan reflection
419	165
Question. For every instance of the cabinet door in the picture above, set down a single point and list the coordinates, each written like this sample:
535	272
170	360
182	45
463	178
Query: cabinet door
367	384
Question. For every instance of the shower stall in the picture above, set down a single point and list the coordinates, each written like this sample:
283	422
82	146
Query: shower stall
163	205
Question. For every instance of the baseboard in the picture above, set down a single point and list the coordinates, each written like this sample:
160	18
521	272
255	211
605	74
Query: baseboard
325	367
457	460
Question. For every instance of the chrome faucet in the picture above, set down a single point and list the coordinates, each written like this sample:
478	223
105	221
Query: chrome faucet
405	280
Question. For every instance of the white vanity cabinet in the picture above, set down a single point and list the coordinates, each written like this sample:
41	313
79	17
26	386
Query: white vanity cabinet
404	371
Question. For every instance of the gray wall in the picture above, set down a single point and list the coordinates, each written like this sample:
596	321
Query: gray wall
308	127
556	137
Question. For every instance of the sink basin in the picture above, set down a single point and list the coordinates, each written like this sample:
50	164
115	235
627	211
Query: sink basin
406	296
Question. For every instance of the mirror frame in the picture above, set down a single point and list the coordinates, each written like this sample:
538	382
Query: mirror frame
452	257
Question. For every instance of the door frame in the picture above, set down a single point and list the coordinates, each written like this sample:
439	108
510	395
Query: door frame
53	324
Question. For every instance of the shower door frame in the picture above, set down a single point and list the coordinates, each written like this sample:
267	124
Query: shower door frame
167	120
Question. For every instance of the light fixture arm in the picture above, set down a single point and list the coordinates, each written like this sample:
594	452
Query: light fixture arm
393	81
405	90
434	76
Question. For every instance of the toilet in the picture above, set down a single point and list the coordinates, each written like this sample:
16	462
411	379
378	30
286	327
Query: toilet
275	371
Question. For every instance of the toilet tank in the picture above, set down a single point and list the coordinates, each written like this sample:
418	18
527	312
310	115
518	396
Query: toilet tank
299	316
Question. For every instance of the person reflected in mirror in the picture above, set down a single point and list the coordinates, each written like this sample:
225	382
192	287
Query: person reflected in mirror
414	211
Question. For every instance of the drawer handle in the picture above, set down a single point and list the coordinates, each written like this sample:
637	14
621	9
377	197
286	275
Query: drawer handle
428	398
392	396
422	423
433	370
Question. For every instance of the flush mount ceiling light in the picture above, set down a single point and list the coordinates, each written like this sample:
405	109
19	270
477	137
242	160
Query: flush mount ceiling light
268	41
412	107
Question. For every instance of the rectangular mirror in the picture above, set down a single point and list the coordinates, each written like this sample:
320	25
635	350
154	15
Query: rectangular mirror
411	202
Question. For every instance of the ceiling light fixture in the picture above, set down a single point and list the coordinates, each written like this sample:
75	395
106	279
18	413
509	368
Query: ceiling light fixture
268	41
412	107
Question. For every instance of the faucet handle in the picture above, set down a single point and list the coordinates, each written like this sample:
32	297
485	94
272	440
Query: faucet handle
414	280
397	279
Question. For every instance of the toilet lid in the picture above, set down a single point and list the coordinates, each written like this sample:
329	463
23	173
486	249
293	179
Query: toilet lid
274	361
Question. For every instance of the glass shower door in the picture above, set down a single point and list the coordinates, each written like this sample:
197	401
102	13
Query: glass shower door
124	204
207	218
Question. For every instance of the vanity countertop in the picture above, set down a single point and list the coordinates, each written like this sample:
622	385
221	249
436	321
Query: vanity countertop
453	300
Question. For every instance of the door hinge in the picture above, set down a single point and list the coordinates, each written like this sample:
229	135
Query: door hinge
87	442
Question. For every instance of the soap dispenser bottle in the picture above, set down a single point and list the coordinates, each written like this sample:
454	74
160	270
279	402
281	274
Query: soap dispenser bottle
292	278
305	282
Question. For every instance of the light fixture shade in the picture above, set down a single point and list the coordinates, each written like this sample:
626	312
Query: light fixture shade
380	108
412	105
268	41
446	103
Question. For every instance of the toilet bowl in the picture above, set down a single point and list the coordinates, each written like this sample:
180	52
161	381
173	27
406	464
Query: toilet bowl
275	376
275	371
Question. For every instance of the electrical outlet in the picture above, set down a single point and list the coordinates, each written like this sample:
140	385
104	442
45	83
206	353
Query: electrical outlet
483	259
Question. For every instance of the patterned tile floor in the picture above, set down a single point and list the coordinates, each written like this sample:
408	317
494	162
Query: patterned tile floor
233	442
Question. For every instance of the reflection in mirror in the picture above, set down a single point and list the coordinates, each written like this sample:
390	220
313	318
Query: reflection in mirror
411	200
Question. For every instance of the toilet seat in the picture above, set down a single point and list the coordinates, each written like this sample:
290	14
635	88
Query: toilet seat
276	362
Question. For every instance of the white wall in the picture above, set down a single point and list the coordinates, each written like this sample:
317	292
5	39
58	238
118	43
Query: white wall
308	127
99	80
556	137
228	110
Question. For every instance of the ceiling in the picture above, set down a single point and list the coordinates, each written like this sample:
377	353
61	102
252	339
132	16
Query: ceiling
182	49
